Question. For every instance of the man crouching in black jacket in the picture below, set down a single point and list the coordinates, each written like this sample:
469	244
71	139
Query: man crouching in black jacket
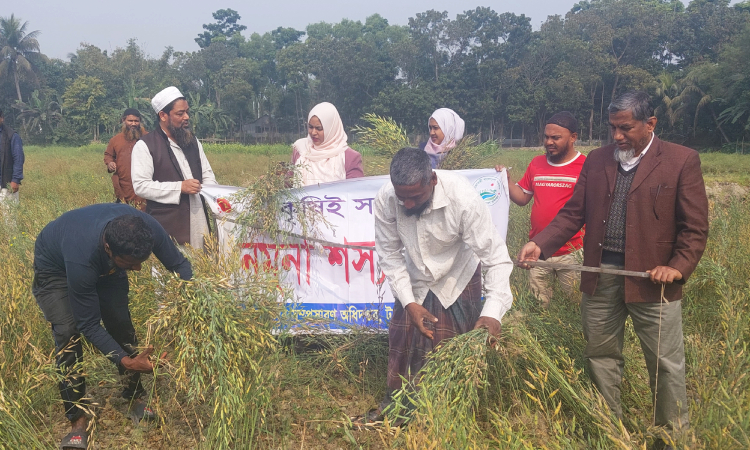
81	261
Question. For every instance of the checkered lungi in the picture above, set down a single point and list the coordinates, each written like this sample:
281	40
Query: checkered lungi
407	347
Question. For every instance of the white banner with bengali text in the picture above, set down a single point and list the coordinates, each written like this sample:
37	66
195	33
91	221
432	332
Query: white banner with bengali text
336	276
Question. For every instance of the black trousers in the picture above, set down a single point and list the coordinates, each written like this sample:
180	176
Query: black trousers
51	293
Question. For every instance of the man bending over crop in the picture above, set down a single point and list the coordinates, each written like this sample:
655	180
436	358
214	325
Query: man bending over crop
81	261
432	230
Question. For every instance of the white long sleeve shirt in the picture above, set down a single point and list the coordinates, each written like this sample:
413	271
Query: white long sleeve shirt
439	250
142	174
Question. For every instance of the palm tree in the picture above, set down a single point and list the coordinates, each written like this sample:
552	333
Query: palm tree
15	48
208	119
693	89
41	115
668	89
137	98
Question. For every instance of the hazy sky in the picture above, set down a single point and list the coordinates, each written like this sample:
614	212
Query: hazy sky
158	24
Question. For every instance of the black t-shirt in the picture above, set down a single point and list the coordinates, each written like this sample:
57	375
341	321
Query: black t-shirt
73	246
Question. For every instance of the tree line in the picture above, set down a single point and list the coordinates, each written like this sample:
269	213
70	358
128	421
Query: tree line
504	78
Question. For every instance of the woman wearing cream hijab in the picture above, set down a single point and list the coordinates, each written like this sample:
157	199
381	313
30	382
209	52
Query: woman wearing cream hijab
446	129
324	155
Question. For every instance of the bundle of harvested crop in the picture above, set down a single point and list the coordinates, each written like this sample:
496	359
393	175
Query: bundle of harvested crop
467	154
384	136
218	331
445	399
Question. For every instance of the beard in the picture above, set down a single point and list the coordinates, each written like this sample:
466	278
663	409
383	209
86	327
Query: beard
132	134
624	156
555	158
560	156
419	209
183	136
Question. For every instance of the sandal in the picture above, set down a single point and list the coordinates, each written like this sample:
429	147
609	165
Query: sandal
75	439
369	420
140	411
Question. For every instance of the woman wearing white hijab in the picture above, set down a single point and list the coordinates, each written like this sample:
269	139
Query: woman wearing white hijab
324	154
446	129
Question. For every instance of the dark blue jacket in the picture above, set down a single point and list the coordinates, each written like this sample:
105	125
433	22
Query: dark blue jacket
11	156
73	246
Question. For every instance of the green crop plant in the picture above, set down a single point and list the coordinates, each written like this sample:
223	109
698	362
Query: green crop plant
446	396
230	382
383	135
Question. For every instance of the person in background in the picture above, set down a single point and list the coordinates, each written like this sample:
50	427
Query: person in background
168	168
644	205
11	162
549	180
80	282
446	129
324	156
117	158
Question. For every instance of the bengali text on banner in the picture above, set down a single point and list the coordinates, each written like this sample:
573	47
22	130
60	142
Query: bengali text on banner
336	276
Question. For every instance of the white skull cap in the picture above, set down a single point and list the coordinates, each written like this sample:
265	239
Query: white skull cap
165	97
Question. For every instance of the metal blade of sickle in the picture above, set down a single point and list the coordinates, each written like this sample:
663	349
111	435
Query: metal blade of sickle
579	268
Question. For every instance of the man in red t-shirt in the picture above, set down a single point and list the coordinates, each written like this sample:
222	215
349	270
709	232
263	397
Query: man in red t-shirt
549	180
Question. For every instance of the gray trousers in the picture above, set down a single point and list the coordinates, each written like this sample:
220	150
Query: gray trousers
51	293
604	315
542	279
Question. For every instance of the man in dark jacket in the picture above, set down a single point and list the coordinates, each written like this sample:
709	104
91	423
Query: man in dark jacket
81	261
644	205
11	161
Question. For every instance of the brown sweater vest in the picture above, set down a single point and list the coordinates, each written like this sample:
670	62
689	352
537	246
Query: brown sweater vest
174	218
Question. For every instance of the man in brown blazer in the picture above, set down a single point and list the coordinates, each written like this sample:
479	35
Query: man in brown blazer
644	206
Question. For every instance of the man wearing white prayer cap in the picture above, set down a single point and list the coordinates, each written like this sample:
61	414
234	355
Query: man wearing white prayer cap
168	168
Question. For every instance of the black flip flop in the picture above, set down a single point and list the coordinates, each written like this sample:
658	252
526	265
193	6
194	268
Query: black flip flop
140	411
373	418
75	439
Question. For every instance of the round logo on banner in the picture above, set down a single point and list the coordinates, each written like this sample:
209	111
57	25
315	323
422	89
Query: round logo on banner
224	204
489	189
